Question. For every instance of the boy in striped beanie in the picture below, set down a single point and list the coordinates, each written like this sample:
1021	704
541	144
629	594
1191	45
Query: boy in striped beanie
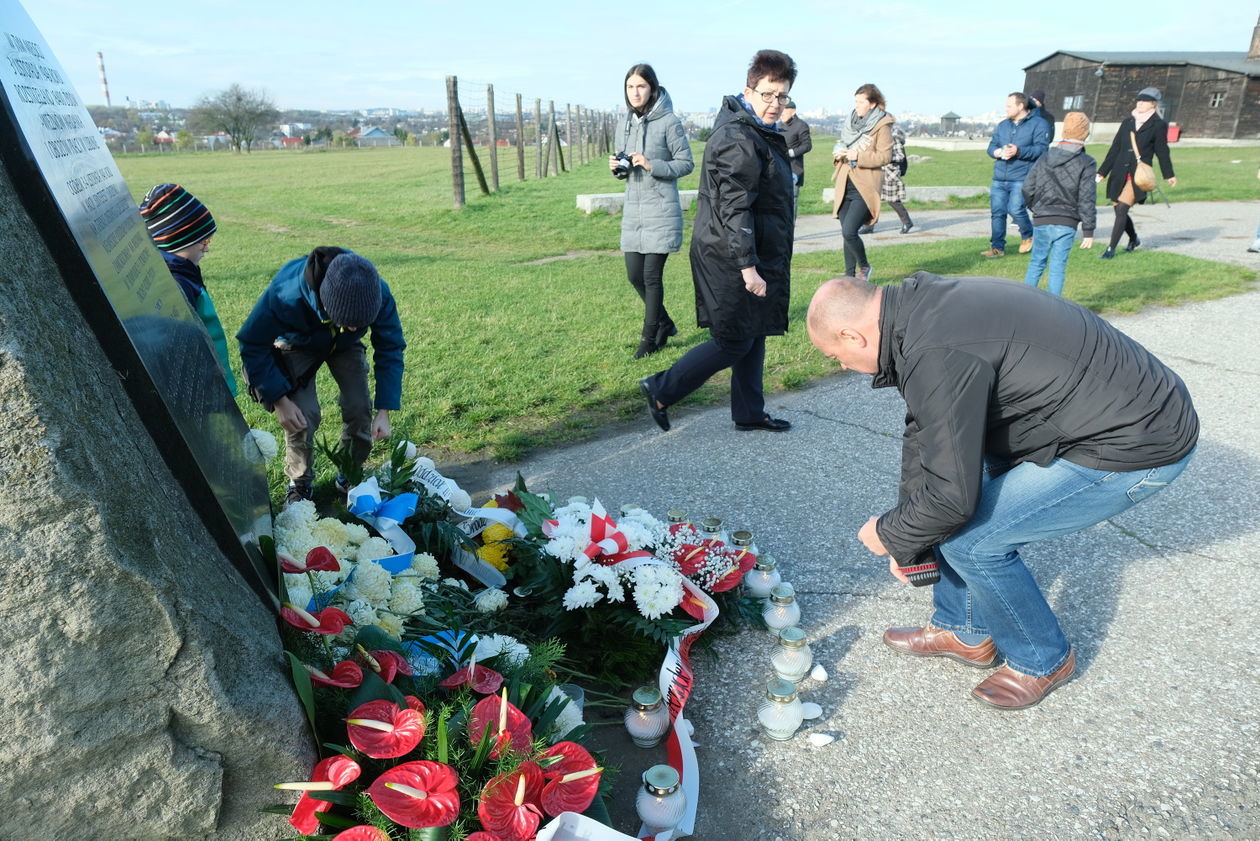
181	227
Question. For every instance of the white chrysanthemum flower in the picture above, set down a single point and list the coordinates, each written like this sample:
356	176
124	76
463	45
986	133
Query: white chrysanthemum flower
373	549
372	582
355	533
657	590
259	446
565	547
331	533
569	717
295	542
300	513
454	582
361	612
636	533
425	566
501	645
582	594
390	624
406	598
490	600
299	589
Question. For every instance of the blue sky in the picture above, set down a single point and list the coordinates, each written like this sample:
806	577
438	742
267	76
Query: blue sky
927	57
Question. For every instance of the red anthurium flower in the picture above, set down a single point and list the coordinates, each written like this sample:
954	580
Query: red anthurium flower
572	778
345	675
362	833
383	731
479	835
417	794
690	558
483	680
508	805
330	620
741	562
509	727
414	703
319	559
329	775
388	664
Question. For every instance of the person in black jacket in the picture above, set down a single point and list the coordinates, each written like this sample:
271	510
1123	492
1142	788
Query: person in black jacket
741	249
1037	108
1060	194
1027	417
799	142
1120	164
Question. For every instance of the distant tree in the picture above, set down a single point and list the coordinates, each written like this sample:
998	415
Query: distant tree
144	138
237	112
401	134
339	138
183	139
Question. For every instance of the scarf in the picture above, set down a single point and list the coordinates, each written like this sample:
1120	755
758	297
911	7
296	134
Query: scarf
858	126
1140	119
748	107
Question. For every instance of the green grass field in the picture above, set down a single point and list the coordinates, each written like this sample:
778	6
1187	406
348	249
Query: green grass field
507	353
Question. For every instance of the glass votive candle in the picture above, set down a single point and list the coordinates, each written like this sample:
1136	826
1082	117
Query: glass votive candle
676	515
661	802
780	713
627	508
781	610
743	539
764	575
711	529
792	658
647	718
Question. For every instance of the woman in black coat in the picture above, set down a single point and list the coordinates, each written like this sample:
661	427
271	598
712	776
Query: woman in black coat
741	249
1120	164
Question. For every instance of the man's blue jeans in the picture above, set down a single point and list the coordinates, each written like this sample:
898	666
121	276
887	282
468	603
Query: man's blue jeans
985	587
1008	197
1052	243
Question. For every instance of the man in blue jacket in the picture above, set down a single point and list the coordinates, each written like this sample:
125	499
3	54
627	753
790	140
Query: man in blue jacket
1017	142
314	313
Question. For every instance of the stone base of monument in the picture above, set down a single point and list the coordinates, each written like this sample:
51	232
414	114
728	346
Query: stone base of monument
613	202
926	193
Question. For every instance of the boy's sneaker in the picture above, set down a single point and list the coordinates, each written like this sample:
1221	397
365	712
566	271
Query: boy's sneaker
993	252
297	493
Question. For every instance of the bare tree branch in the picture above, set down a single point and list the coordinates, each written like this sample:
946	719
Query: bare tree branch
237	112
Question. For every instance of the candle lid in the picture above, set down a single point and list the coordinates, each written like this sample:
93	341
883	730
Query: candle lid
743	537
676	515
782	594
577	500
646	697
711	524
783	691
661	780
764	563
628	507
792	637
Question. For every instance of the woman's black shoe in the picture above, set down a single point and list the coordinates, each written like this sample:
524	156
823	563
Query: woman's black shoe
1133	243
866	229
767	423
1108	254
905	229
646	347
663	332
658	414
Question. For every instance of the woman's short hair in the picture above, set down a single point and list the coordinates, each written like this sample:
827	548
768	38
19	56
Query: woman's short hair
647	74
872	95
772	65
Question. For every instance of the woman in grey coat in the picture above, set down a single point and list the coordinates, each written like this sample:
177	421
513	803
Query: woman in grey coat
653	153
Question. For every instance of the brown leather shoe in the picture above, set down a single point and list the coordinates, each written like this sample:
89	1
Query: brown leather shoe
937	642
1025	245
992	252
1008	689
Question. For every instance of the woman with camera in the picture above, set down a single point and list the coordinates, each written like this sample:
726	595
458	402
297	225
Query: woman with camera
864	148
653	154
1147	131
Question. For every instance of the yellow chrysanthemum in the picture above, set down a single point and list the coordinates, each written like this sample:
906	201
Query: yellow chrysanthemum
496	532
495	554
491	504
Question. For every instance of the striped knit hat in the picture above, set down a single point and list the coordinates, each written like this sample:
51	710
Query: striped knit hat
175	218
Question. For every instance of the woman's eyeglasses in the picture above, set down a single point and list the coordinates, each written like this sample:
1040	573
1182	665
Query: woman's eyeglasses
769	96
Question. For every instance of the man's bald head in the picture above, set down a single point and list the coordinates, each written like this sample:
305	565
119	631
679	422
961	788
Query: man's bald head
843	322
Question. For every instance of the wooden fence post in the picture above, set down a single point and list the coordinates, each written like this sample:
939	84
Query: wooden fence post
580	147
539	169
520	141
494	138
553	151
457	159
568	133
472	151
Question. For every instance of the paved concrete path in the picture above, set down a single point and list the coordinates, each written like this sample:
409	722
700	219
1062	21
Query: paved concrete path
1157	737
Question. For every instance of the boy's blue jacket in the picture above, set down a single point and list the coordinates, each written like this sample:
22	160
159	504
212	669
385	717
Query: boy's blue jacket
289	311
1031	135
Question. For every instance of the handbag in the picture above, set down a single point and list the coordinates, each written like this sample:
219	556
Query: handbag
1143	173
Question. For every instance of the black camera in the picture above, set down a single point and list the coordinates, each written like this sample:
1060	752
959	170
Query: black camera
622	172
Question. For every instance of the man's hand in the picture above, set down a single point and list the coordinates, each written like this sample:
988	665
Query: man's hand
640	161
870	539
290	416
896	571
380	426
753	281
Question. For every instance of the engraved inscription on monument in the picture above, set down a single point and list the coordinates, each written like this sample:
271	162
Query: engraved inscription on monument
85	213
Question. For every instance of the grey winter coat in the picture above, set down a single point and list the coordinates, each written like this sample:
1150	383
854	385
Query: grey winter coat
651	222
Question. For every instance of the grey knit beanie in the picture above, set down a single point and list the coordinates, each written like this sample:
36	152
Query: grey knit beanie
351	291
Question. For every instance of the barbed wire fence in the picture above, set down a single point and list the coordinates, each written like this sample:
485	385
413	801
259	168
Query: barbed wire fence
586	133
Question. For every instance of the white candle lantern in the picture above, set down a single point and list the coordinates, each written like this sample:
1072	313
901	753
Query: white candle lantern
781	610
743	539
780	713
676	515
711	529
792	658
661	802
764	575
647	718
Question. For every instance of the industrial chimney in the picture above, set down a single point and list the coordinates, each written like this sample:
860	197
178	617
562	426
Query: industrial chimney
1254	53
100	65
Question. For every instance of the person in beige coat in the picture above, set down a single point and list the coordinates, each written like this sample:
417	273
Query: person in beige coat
864	147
